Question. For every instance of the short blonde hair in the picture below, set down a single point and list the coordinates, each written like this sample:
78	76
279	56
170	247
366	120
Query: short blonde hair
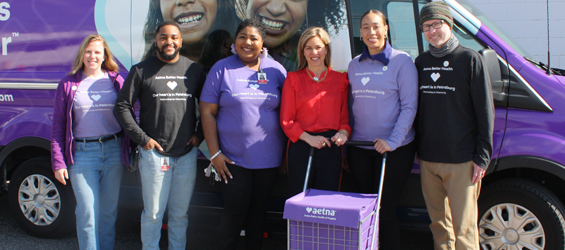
305	37
109	64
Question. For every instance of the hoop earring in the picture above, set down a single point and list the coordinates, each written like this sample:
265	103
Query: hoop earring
360	38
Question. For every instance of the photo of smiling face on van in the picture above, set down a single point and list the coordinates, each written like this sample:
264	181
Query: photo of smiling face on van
196	18
285	19
282	18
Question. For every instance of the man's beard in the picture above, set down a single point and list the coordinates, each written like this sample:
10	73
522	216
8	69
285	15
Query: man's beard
165	56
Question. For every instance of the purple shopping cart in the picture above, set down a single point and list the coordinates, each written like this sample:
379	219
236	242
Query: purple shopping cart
327	220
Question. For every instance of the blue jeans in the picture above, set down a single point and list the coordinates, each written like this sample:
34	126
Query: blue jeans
96	176
170	189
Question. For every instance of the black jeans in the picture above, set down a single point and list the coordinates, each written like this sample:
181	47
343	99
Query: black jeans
365	164
245	205
325	172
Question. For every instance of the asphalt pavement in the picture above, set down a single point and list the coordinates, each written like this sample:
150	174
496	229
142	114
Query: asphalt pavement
12	237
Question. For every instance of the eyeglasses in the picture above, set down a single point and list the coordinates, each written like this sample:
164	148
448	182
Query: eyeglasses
436	25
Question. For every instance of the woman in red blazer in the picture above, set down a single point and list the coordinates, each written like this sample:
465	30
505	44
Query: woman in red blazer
313	112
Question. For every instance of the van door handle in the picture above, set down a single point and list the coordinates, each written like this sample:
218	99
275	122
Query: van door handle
500	99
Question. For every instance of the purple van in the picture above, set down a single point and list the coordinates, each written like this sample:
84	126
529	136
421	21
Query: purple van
521	202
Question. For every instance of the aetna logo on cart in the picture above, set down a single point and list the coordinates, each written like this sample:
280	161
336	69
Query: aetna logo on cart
6	98
321	211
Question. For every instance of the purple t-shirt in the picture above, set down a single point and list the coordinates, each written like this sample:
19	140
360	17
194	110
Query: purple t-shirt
249	130
383	99
93	108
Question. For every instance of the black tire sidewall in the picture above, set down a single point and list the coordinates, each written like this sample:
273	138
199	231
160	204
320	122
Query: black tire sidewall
65	221
531	196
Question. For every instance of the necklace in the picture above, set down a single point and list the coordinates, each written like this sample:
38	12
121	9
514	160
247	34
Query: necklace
315	78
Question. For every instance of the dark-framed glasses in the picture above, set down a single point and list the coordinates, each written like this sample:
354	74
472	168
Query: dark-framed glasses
436	25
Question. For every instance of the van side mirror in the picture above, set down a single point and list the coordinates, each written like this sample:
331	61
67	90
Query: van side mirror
492	64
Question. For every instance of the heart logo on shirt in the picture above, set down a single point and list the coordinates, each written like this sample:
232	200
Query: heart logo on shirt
172	85
254	86
96	97
365	80
309	209
435	76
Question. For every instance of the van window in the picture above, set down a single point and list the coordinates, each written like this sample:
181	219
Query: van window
494	27
402	31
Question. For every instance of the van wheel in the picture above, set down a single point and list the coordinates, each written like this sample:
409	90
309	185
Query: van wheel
520	214
41	205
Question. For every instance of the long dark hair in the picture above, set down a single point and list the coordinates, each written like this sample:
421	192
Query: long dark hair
216	48
326	14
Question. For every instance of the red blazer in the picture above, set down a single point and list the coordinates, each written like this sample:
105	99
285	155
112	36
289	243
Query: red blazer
310	106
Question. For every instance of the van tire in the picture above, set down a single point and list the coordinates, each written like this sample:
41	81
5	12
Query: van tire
511	200
43	203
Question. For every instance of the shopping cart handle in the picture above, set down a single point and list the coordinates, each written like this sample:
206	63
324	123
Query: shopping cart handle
360	143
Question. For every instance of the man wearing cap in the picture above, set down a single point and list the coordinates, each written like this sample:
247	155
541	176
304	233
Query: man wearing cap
454	130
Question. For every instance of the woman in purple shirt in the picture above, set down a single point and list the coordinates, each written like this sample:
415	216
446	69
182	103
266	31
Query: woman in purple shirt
382	107
239	108
87	142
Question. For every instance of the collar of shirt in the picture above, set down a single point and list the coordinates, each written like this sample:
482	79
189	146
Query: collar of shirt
383	57
321	75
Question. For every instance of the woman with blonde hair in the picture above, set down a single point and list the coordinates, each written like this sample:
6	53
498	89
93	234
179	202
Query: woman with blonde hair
87	142
313	112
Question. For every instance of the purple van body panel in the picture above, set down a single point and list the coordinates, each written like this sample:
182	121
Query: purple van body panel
530	133
46	44
561	79
28	115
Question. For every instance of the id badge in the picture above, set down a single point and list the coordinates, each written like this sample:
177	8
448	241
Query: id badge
262	77
165	164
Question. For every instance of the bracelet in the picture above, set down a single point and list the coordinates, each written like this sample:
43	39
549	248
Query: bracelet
216	154
344	132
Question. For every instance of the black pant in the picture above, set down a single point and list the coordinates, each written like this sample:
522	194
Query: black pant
325	171
245	205
366	165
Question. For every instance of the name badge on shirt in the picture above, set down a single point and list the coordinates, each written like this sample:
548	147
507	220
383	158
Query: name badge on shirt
165	164
262	77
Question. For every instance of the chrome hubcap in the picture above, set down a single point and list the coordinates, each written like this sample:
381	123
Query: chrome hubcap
39	200
510	226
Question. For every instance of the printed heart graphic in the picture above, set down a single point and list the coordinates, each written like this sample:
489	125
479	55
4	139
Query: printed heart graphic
254	86
172	85
309	209
96	97
365	80
435	76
